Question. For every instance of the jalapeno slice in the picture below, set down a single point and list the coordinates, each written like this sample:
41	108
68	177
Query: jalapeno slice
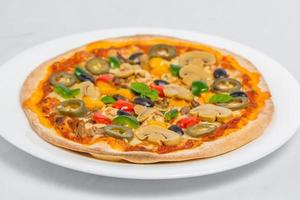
126	121
72	108
236	103
162	50
118	131
63	78
226	85
97	66
201	129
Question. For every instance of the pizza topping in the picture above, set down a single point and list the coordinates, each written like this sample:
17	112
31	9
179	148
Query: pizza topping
72	108
238	94
163	51
220	73
176	129
65	92
192	72
143	101
171	115
211	113
199	87
235	103
122	112
108	78
187	121
158	88
101	119
197	58
220	98
174	69
159	82
97	66
135	58
145	113
88	89
108	99
144	90
83	75
157	135
114	62
201	129
63	78
118	97
83	129
118	131
226	85
125	70
123	105
174	90
125	120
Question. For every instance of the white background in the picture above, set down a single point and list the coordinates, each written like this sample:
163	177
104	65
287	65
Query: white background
272	27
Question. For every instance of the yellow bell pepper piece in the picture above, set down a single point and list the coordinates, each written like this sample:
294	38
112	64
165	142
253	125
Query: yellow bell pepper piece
105	88
92	103
125	92
157	123
159	66
204	98
177	103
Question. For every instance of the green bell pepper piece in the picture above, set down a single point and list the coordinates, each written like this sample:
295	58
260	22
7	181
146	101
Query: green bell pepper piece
199	87
108	99
172	114
65	92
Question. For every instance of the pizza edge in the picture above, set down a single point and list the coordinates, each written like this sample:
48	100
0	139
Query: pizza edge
103	151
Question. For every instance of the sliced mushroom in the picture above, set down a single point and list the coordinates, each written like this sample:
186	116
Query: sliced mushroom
142	76
211	113
87	88
125	70
110	112
138	109
84	129
190	73
174	90
144	112
157	135
189	57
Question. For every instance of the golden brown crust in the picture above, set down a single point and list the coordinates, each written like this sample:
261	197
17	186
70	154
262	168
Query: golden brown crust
103	151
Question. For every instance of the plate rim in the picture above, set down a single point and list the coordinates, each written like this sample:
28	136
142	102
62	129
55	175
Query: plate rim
158	31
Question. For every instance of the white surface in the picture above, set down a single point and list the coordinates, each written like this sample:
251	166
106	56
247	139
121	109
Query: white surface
284	120
269	26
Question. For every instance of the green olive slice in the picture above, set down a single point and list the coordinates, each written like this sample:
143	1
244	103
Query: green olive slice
236	103
97	66
72	108
63	78
118	131
226	85
162	50
201	129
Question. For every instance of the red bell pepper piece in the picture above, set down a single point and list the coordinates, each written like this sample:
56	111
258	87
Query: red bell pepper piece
187	122
158	88
101	119
123	105
108	78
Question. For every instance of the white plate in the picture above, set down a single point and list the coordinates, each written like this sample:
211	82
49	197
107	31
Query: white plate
15	128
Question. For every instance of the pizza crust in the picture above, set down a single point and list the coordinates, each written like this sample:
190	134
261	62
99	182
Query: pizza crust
103	151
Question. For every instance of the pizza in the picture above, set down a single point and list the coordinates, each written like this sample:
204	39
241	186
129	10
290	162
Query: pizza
147	99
